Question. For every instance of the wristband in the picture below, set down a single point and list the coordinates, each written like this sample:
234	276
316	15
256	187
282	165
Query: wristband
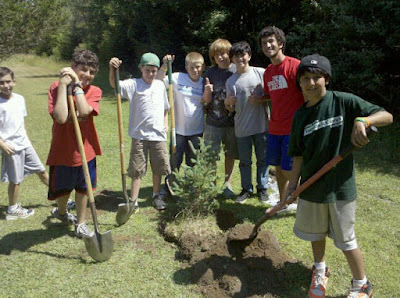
164	69
363	120
79	84
79	92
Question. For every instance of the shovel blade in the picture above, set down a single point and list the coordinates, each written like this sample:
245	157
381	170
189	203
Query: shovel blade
100	246
124	212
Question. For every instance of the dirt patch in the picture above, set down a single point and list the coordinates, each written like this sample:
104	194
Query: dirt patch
224	268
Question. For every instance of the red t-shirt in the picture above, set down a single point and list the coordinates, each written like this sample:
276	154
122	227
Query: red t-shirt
64	148
280	84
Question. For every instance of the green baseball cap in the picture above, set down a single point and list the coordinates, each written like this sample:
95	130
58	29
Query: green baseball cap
149	59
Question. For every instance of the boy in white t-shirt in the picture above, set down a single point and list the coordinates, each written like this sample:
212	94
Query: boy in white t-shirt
188	93
148	125
19	158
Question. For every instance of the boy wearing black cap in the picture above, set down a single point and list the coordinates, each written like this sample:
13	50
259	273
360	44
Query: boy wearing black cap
326	123
148	125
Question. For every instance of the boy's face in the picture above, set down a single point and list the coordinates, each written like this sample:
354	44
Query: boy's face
270	46
222	60
195	70
85	73
241	60
6	86
313	86
149	73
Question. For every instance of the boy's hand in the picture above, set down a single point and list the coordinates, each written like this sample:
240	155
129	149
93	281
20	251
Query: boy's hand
115	62
6	149
208	87
167	58
359	136
230	100
254	99
68	76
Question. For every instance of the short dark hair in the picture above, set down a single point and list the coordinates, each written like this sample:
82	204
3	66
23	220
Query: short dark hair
240	47
85	57
272	30
311	69
6	71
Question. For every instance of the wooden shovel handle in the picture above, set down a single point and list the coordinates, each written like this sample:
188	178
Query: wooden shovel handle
171	107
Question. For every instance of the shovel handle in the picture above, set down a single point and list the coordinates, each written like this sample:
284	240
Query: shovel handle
83	155
120	123
172	109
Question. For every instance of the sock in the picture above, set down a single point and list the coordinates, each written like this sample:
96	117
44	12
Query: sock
320	267
12	208
154	194
359	282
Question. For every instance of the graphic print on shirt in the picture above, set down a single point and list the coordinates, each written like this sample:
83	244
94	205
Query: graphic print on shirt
278	82
317	124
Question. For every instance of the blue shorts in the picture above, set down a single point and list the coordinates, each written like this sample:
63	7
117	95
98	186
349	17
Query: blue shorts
277	148
63	180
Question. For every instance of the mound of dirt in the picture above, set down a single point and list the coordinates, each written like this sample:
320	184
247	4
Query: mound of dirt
225	268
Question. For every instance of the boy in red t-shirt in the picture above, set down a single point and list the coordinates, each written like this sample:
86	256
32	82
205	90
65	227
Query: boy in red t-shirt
66	173
286	98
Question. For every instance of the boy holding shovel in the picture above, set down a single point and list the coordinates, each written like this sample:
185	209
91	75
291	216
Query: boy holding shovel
66	172
148	124
328	122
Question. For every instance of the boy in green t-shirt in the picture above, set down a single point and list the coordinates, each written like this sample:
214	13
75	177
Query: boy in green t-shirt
326	123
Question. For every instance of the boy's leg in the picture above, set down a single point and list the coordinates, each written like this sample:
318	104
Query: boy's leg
13	190
318	248
229	167
156	183
81	204
282	178
231	153
189	154
260	147
355	260
245	146
135	188
44	177
180	149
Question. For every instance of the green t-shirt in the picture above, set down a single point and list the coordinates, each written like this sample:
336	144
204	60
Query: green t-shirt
318	134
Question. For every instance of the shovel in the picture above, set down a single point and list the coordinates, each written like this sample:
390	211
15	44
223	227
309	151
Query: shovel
170	177
125	210
292	197
99	246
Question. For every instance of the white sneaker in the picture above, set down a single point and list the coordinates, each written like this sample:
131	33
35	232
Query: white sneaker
287	209
83	231
19	212
70	204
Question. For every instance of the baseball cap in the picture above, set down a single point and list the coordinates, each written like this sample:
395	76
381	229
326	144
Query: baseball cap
149	59
316	61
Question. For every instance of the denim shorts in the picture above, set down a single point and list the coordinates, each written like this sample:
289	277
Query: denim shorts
277	148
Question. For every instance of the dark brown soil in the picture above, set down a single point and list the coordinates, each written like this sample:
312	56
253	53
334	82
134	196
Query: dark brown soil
225	268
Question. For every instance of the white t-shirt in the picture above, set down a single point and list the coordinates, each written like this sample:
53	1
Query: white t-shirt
188	107
12	122
249	118
147	103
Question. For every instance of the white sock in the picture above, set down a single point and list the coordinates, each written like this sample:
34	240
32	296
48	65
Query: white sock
12	208
359	282
320	267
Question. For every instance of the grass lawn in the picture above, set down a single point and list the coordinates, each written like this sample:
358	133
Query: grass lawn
41	258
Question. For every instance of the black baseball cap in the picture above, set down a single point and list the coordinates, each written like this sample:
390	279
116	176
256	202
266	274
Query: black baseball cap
316	61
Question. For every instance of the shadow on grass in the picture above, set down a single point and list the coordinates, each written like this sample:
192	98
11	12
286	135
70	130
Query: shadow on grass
23	241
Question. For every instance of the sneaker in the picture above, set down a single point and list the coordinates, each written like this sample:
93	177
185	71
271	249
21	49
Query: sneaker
364	291
70	204
243	196
228	193
163	192
67	218
318	283
159	203
287	208
263	196
83	231
19	212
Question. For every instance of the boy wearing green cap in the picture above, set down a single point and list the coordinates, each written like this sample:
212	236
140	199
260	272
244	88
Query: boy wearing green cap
327	122
148	124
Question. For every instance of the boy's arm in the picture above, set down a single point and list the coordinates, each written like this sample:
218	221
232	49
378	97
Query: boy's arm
114	63
208	90
164	68
294	176
60	112
359	136
258	99
166	120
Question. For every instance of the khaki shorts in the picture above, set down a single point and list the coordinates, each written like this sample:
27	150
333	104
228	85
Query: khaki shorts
315	221
159	159
214	136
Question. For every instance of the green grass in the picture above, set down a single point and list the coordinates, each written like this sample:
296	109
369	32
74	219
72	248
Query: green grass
41	258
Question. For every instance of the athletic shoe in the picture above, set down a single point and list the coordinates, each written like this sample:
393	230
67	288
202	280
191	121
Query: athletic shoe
287	208
163	192
318	283
243	196
66	218
273	199
70	204
364	291
83	231
263	196
228	193
19	212
159	203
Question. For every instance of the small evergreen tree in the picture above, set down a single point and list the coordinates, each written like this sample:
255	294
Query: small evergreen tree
196	186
